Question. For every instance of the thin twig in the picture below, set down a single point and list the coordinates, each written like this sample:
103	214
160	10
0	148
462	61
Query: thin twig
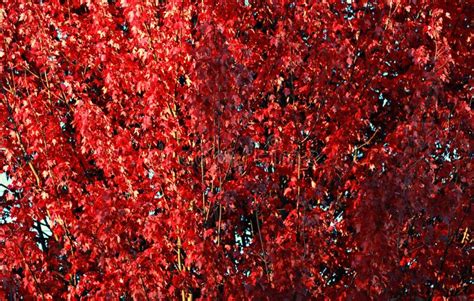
31	272
263	248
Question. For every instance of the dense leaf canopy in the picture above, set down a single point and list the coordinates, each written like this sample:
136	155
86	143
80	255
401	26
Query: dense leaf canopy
279	150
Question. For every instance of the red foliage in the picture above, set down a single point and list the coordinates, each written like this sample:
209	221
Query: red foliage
268	150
